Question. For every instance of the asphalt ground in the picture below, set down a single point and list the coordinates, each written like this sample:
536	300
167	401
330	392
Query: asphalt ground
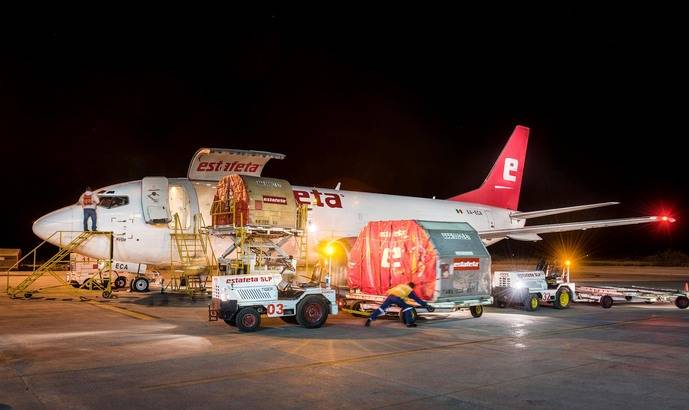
157	350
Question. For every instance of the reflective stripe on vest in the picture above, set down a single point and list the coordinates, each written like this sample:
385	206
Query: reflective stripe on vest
401	291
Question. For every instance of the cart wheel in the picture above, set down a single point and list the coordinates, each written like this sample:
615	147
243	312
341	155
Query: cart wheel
476	311
289	319
563	297
107	294
74	284
606	302
682	302
501	304
414	315
531	302
140	285
28	295
231	322
312	312
120	282
248	320
357	306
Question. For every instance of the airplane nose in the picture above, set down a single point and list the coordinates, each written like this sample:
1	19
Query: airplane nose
65	219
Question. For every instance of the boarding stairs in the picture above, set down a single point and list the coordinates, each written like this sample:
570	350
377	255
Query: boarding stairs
195	262
50	266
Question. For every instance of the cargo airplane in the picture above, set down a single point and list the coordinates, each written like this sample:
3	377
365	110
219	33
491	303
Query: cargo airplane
140	213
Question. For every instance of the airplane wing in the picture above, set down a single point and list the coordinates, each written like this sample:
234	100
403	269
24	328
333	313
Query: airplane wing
556	211
530	233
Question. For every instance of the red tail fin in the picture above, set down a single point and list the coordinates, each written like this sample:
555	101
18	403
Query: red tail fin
501	187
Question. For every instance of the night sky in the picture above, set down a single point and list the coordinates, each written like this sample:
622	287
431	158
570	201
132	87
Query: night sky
406	101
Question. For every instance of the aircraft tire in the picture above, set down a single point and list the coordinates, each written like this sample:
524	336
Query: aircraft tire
120	282
140	285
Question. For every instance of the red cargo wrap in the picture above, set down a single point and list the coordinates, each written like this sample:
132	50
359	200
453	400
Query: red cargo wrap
388	253
230	187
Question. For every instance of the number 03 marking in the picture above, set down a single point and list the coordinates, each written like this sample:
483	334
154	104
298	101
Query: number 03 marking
275	310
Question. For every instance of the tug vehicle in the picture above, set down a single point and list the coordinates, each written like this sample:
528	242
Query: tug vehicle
532	289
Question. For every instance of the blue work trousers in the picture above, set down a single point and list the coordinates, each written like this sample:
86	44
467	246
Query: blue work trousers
90	213
394	300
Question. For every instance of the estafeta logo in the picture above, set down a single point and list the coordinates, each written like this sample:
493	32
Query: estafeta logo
275	200
314	197
466	264
455	235
511	166
221	166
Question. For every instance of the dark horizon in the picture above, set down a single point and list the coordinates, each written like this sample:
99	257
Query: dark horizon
404	101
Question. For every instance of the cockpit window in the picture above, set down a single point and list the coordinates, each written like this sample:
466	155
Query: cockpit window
112	201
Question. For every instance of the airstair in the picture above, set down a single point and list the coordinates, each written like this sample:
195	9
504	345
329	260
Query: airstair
50	266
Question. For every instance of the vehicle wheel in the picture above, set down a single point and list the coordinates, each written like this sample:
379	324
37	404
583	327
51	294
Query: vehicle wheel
357	306
682	302
563	298
414	315
531	302
231	322
501	304
289	319
248	320
140	285
606	302
107	294
312	312
476	311
120	282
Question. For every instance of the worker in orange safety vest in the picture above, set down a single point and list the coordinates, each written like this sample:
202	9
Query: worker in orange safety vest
89	201
396	296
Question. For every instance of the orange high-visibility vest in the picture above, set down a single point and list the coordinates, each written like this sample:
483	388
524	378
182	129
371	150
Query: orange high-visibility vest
401	291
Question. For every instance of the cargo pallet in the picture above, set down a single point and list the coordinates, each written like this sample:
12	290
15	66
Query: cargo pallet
606	296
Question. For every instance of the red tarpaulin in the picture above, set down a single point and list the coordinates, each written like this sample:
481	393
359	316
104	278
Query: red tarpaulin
388	253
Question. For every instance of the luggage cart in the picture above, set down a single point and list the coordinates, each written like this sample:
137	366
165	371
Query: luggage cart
606	296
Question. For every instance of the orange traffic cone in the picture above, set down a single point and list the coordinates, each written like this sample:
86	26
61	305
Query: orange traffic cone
686	286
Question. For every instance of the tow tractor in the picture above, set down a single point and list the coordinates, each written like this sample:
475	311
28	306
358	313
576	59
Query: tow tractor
532	288
240	300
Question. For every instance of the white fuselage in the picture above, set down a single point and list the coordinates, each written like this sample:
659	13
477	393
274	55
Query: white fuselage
332	215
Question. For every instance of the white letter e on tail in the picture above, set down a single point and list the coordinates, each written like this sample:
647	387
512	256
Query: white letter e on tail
511	165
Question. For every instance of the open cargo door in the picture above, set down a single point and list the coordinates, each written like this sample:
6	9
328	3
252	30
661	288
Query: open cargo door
154	200
211	164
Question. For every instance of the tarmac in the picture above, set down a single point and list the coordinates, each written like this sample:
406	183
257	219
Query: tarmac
160	351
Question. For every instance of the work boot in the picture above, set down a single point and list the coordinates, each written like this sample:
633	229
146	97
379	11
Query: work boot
368	322
411	325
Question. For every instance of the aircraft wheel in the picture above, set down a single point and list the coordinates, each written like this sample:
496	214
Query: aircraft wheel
476	311
682	302
248	320
606	302
531	302
289	319
140	285
107	294
312	312
563	298
120	282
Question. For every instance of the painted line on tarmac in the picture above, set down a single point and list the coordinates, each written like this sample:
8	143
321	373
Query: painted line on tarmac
123	311
376	356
